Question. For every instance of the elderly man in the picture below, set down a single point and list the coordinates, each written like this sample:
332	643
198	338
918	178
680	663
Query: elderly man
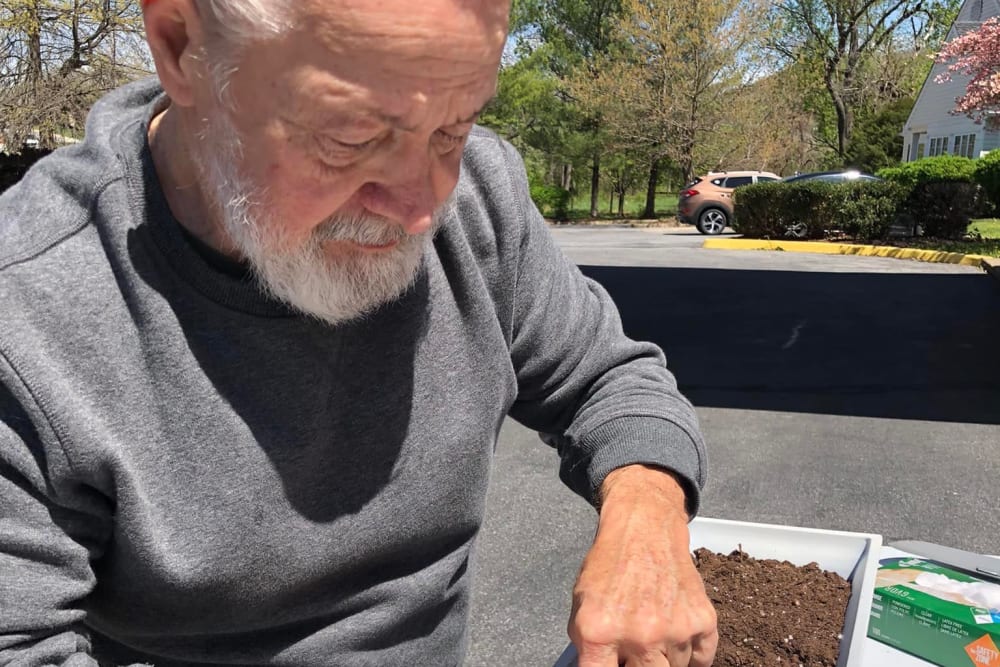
260	330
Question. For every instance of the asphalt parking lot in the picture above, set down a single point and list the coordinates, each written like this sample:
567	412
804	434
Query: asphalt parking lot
835	392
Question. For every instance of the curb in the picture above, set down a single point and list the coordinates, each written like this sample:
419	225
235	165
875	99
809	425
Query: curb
991	266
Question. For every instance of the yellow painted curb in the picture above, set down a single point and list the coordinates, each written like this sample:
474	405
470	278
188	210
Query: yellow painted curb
991	265
917	254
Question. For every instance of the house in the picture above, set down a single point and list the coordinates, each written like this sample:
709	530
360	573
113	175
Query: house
931	128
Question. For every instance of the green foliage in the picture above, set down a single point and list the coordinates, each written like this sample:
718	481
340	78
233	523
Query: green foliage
938	169
940	17
876	142
816	210
988	228
987	175
943	194
551	200
943	209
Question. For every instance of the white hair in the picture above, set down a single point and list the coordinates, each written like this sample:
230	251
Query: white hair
239	23
232	27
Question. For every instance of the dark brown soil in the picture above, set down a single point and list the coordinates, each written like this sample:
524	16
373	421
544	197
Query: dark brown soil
772	612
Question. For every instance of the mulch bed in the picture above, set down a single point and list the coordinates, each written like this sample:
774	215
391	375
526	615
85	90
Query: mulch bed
773	612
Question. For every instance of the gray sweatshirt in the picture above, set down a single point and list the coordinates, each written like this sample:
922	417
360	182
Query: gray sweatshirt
191	473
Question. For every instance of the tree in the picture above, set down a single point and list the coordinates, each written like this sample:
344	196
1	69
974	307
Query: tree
660	90
529	112
843	34
58	56
876	142
575	33
976	54
770	128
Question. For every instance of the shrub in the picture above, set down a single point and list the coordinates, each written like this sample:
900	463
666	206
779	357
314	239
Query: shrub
941	168
13	167
815	210
987	175
944	194
551	200
866	210
772	210
943	209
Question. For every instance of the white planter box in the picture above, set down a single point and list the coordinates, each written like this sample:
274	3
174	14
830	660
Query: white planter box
853	556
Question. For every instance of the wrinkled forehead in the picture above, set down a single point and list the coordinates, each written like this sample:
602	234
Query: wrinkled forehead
422	35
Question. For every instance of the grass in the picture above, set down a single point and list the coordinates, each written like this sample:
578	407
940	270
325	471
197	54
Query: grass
988	228
579	208
985	247
984	239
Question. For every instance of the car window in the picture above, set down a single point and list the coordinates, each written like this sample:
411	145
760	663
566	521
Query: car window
694	182
767	179
718	181
738	181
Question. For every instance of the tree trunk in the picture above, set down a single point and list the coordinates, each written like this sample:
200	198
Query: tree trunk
845	119
567	177
649	212
611	203
621	203
595	183
35	47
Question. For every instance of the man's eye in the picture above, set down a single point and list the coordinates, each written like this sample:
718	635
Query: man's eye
451	141
331	145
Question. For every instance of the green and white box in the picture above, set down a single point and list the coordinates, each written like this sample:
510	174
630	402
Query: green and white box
943	615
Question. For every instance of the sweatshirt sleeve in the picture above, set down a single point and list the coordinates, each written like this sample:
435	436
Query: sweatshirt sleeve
601	399
45	532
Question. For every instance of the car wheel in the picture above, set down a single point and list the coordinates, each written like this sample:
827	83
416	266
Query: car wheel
797	230
712	221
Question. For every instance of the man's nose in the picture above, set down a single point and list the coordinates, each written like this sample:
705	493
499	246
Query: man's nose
405	193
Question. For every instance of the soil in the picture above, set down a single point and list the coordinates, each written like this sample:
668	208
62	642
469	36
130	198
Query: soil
773	612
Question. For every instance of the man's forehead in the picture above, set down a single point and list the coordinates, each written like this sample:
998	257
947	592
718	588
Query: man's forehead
335	102
474	29
487	11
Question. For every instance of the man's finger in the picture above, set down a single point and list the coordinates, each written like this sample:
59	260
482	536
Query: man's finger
649	659
703	649
594	655
679	655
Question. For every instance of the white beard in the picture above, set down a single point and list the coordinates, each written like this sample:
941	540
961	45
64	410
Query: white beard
302	275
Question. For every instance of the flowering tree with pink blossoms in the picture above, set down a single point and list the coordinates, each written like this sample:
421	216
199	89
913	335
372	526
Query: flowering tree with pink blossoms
976	54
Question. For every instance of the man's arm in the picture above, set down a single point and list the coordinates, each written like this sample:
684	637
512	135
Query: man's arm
639	599
602	400
629	442
44	566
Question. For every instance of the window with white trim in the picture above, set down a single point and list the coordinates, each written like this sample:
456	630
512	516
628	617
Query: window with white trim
965	145
938	146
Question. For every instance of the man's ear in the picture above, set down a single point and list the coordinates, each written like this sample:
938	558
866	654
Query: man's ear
175	32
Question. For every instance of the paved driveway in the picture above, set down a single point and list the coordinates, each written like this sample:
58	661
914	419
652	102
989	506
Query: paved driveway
836	392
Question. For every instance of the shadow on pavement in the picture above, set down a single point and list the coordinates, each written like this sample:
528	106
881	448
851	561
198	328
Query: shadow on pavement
905	346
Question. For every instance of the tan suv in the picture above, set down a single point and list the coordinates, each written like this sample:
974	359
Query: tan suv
707	202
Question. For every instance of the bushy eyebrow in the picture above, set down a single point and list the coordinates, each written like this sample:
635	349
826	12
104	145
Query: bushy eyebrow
388	119
471	118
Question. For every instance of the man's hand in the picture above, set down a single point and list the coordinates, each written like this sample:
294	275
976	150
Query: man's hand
639	599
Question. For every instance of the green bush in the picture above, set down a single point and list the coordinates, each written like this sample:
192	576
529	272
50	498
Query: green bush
987	175
943	192
551	200
943	210
773	210
816	210
866	210
941	168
